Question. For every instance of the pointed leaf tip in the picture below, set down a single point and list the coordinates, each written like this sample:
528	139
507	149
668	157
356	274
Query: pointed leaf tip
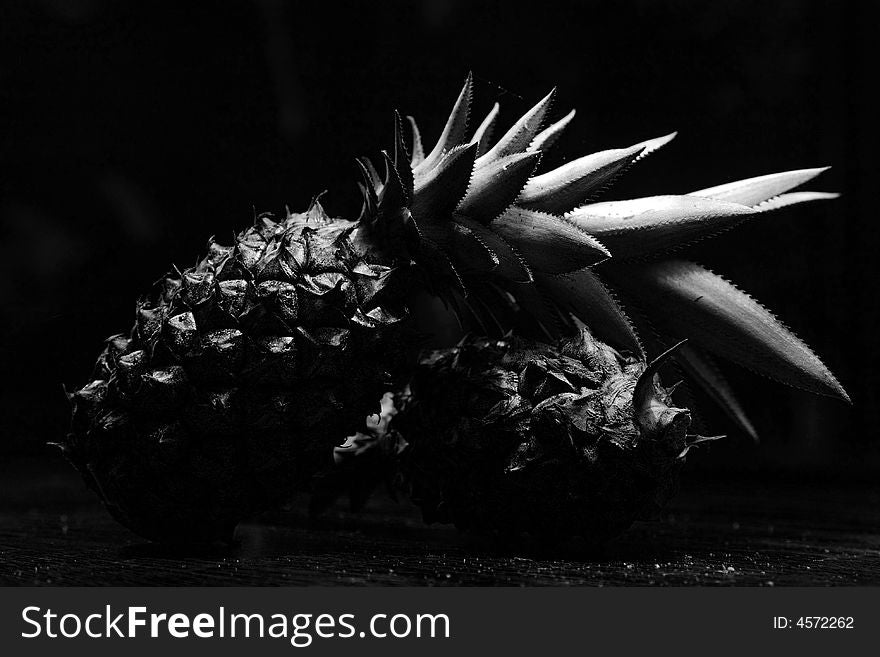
455	131
548	244
569	185
393	196
495	185
521	134
752	191
702	369
655	144
644	226
547	137
402	159
440	190
690	301
468	252
418	150
483	134
794	198
583	294
511	265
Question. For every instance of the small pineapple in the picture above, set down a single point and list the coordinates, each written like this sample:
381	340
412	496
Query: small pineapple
243	372
549	441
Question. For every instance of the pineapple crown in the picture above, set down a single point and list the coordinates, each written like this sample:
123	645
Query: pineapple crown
510	248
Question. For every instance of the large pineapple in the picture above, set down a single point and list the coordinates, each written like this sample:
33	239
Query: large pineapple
243	372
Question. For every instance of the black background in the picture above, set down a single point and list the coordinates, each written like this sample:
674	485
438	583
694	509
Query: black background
131	132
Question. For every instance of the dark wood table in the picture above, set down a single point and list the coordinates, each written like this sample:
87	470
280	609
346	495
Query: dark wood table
754	531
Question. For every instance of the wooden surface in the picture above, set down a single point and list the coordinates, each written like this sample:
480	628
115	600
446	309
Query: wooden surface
748	532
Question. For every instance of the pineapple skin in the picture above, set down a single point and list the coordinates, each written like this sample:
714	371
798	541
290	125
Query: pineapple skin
517	437
238	378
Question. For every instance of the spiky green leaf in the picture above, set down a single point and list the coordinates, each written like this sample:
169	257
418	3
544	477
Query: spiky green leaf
753	191
442	274
535	308
583	294
643	226
794	198
402	159
495	185
566	187
549	244
418	150
439	192
469	253
650	146
521	134
393	196
511	265
702	369
368	189
548	136
483	134
687	300
455	131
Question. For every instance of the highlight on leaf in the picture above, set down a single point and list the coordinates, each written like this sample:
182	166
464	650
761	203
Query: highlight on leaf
720	318
640	227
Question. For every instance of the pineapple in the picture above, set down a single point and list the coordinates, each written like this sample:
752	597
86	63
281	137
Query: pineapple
242	372
549	441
